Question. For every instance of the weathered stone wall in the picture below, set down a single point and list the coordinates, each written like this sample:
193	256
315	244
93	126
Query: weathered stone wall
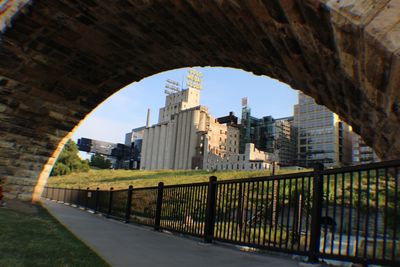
61	58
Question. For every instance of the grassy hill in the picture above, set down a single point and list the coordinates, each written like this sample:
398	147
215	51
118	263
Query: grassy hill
121	179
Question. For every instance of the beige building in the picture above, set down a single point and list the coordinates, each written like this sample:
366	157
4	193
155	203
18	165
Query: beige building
177	102
222	139
188	137
251	159
184	131
177	143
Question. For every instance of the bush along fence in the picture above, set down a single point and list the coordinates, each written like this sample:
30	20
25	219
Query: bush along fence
349	214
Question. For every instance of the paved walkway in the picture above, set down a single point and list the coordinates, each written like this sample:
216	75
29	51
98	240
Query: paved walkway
123	244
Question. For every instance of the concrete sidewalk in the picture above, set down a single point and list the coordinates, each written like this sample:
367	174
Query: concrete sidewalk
123	244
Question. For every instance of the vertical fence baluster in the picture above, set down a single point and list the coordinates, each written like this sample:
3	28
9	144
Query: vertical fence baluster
110	200
316	214
210	211
367	216
128	204
396	207
385	222
87	198
160	194
96	201
350	215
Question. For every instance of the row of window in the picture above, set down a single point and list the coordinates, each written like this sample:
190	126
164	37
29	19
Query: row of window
253	166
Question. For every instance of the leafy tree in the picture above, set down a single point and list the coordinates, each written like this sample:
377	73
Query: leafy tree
69	161
98	161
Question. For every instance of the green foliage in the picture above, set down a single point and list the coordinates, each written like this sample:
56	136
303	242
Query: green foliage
121	179
69	161
98	161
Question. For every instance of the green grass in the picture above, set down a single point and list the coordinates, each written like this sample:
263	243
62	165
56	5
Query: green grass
121	179
39	240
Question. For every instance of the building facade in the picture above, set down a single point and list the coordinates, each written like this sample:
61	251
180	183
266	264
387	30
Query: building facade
134	135
251	159
270	135
119	154
178	101
361	153
177	143
322	136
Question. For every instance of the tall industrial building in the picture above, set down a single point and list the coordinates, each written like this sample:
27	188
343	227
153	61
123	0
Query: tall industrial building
322	136
177	101
183	130
271	135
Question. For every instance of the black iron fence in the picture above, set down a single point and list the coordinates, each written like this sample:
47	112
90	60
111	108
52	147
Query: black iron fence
349	214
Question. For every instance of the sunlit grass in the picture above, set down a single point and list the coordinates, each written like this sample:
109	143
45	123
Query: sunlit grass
121	179
39	240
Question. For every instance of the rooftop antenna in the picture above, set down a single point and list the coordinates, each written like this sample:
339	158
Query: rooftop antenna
172	87
194	79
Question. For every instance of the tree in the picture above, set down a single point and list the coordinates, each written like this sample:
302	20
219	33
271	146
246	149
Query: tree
69	161
98	161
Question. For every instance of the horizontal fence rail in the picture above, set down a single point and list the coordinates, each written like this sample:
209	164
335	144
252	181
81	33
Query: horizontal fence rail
349	214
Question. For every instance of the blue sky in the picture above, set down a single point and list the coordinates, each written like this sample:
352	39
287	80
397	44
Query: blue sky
223	89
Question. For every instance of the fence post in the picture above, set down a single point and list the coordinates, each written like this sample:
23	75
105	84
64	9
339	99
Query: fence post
316	212
58	194
210	210
65	194
110	202
96	203
159	206
87	198
128	204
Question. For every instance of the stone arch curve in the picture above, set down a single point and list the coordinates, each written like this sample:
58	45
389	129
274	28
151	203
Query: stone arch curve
59	59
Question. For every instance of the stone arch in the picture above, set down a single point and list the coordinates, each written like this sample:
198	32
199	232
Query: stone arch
61	58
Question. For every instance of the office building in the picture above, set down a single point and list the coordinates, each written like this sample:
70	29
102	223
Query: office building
361	153
134	135
322	136
271	135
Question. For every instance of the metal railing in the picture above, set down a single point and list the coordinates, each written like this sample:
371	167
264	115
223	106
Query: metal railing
346	214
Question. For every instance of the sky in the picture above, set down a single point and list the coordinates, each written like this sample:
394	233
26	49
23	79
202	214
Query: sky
223	89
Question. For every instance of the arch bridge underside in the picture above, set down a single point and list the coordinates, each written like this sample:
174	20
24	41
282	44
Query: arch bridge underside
59	59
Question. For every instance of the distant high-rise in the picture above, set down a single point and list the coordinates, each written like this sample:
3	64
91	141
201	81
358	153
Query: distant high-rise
269	135
322	136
